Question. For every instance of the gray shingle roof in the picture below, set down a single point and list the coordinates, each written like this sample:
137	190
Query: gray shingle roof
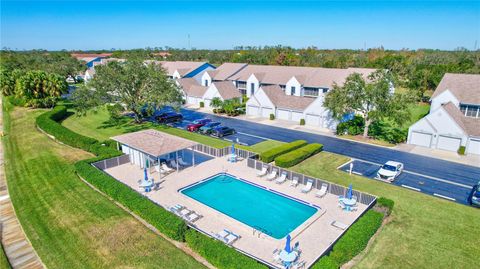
465	87
470	125
307	76
226	70
153	142
191	87
281	100
227	90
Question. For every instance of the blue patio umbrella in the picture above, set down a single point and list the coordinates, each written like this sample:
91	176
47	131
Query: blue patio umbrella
233	149
349	192
288	249
146	175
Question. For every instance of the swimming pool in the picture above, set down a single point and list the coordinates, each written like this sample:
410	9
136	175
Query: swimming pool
261	209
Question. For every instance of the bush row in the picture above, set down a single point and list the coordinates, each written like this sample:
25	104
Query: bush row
386	203
217	253
352	242
166	222
48	122
270	155
296	156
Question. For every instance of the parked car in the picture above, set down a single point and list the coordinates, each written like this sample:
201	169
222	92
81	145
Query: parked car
169	117
475	200
390	171
196	124
208	128
223	131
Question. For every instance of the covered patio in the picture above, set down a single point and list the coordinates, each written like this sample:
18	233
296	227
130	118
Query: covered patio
159	152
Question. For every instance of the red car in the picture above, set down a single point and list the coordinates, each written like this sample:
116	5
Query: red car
196	124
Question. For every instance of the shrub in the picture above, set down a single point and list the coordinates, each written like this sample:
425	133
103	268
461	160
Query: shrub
272	117
461	150
386	203
353	241
384	131
202	104
270	155
302	121
217	253
297	156
166	222
351	127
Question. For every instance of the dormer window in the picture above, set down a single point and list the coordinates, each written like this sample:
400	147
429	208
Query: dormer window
292	90
252	88
206	82
472	111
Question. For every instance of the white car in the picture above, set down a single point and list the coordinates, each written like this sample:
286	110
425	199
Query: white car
390	171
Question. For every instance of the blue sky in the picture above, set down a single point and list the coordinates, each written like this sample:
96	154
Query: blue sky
224	24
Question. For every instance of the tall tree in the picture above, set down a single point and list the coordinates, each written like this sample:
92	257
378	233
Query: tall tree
372	99
40	89
141	88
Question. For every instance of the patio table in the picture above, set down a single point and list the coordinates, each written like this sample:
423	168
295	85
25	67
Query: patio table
147	184
288	257
348	203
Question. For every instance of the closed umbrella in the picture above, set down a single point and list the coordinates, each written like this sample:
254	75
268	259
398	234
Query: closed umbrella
288	249
349	192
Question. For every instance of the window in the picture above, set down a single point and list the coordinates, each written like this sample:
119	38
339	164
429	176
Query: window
325	90
470	110
310	91
241	85
252	88
206	82
292	90
282	87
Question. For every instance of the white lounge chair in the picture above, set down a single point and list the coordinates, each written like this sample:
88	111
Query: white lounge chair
339	225
323	191
261	173
182	162
276	256
308	186
298	265
282	178
173	164
184	212
192	217
294	182
221	235
166	168
272	175
231	237
176	208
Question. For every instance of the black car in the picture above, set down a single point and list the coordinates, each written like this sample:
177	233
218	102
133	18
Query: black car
169	117
223	131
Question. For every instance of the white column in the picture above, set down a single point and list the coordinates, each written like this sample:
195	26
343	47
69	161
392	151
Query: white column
176	157
193	156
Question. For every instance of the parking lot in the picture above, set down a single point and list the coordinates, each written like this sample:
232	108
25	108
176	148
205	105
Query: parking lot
189	116
442	188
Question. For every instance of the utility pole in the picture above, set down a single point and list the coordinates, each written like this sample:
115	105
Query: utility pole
189	47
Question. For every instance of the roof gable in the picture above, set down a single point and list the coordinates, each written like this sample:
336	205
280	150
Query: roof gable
465	87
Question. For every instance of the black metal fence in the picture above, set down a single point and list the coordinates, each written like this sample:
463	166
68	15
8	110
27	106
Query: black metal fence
332	188
112	162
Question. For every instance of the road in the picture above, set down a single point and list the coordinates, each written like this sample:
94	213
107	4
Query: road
442	174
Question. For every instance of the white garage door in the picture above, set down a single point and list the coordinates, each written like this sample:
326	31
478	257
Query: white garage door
283	114
266	111
253	110
473	146
421	139
296	116
207	102
313	120
448	143
192	100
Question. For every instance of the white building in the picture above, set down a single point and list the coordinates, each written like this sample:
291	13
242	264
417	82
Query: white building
298	94
454	118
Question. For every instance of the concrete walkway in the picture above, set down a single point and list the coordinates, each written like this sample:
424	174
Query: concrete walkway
18	249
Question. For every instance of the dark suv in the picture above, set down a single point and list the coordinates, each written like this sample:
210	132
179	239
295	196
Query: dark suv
475	200
223	131
169	117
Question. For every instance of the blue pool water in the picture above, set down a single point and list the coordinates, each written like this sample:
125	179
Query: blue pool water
271	213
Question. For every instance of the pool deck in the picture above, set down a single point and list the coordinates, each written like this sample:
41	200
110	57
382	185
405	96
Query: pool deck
315	235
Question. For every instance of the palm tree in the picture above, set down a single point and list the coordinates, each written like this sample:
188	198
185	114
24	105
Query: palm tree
216	102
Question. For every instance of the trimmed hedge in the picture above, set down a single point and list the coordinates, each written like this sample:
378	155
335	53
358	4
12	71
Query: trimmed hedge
166	222
270	155
297	156
48	122
461	150
386	203
353	241
217	253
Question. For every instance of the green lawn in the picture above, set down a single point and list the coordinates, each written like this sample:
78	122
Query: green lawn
3	259
264	146
69	224
424	232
